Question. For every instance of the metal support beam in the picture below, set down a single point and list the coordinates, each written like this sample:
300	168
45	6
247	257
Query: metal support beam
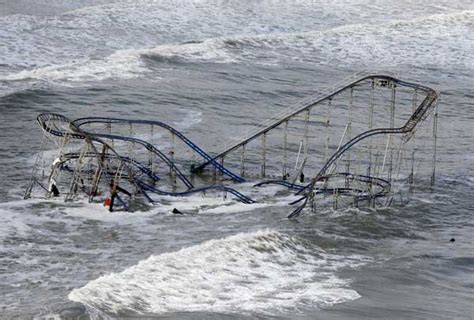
349	128
435	141
370	125
328	135
392	125
264	154
172	155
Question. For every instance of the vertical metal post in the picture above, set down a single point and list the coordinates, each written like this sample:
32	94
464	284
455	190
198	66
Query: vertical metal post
98	173
349	128
372	104
264	154
312	201
392	125
411	178
285	151
55	174
371	123
328	136
76	176
150	154
109	129
222	164
172	154
131	147
335	199
392	106
435	140
39	159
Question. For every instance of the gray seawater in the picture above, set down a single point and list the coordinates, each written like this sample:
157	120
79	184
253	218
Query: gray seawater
213	68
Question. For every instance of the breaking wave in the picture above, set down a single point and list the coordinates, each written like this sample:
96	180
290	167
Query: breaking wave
258	271
121	64
424	40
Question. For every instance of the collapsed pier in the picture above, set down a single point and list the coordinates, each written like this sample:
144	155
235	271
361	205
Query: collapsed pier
365	141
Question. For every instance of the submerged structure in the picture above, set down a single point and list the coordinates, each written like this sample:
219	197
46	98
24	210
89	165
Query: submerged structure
364	141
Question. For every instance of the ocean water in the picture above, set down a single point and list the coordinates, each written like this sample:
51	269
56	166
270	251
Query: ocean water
212	68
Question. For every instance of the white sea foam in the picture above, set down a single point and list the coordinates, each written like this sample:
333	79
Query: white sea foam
214	49
200	204
11	224
121	64
419	41
261	271
433	35
97	212
190	119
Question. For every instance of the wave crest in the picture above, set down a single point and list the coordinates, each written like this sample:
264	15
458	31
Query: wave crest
259	271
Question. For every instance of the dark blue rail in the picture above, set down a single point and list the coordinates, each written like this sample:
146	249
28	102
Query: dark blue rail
150	148
143	168
87	120
284	183
243	198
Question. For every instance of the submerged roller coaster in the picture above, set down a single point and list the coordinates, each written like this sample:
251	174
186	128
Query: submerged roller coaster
365	141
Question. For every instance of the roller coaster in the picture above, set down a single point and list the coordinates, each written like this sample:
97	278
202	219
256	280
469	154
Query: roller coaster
362	141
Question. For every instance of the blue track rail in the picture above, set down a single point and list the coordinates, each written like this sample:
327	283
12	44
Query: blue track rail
143	168
243	198
209	159
150	148
284	183
421	112
47	122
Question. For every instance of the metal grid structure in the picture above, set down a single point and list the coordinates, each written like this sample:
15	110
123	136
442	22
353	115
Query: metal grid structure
361	142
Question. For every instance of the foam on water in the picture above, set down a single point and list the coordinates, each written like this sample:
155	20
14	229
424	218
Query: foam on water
201	204
196	204
12	224
121	64
51	247
261	271
214	50
422	41
217	203
434	35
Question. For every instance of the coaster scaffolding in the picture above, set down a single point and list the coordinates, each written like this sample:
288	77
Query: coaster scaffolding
365	141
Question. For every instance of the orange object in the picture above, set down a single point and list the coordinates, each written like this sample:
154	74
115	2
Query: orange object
107	202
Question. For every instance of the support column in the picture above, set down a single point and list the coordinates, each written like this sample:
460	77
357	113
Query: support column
172	154
109	129
370	125
285	151
98	173
150	154
328	135
392	125
349	129
413	139
411	178
222	164
435	140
